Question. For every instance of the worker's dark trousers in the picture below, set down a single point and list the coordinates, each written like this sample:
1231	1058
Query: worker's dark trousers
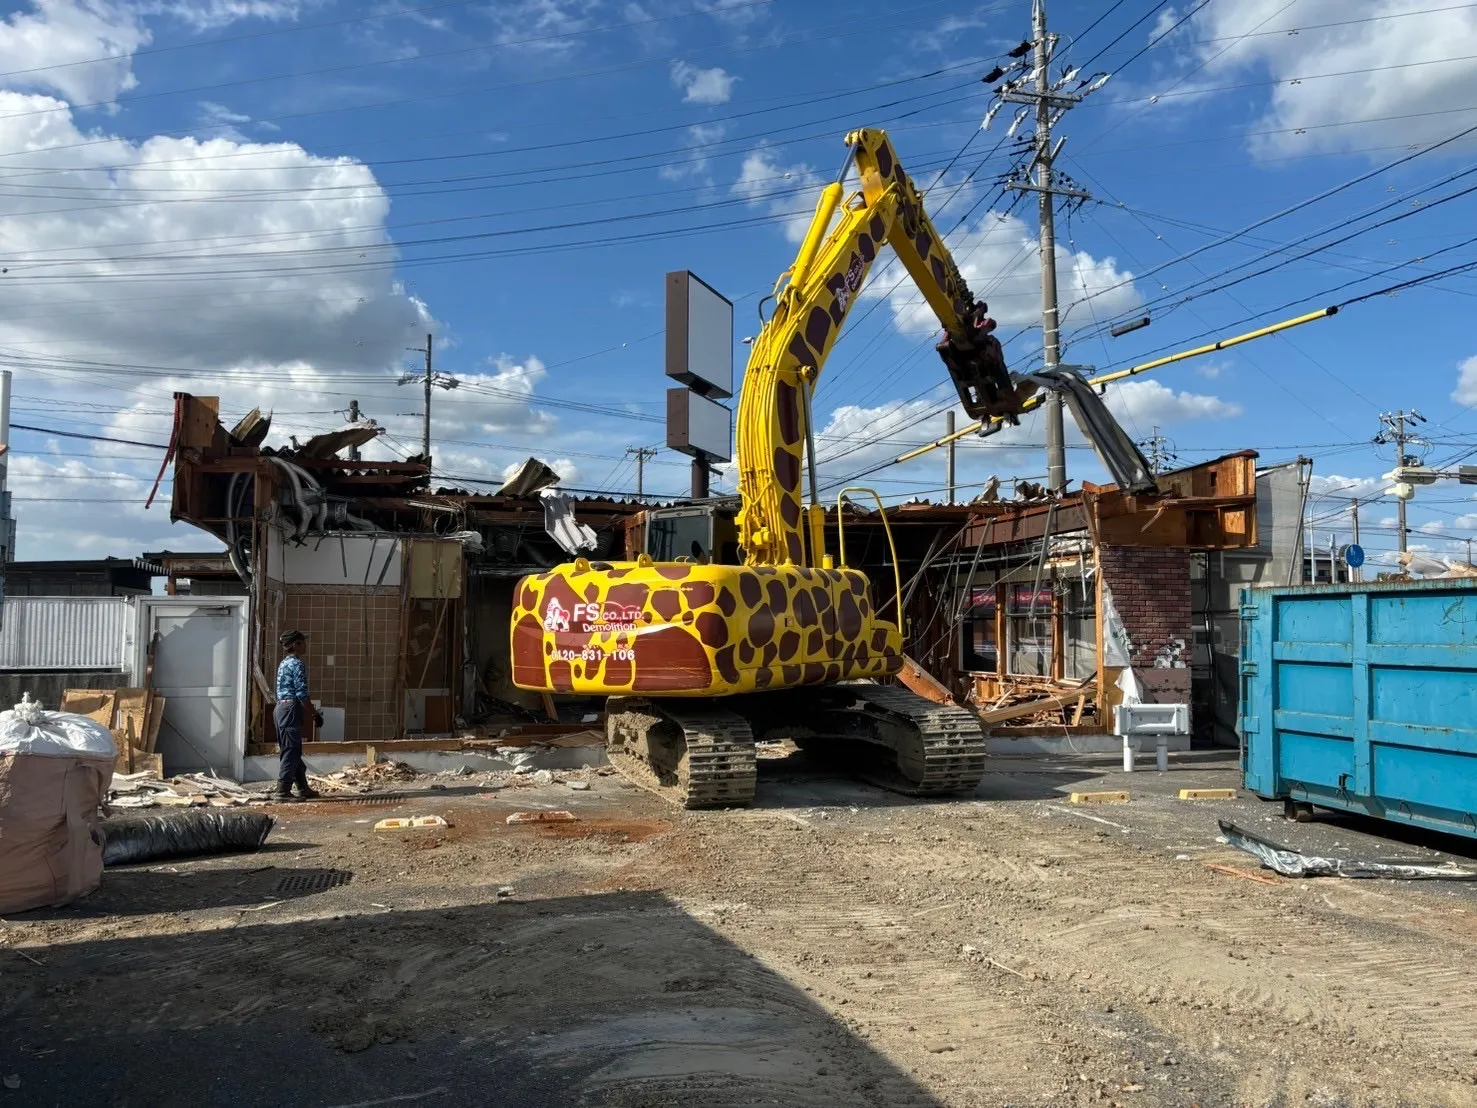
288	716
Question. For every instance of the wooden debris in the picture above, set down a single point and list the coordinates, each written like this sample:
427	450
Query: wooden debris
1234	872
1038	705
94	703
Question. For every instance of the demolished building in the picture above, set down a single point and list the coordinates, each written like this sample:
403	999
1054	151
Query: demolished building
404	591
1043	614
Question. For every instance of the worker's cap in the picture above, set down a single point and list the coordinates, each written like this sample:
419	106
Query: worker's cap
288	638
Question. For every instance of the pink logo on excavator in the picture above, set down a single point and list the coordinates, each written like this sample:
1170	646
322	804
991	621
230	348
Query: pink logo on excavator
556	616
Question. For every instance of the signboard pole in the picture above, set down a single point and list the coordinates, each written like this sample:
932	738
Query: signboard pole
700	476
699	354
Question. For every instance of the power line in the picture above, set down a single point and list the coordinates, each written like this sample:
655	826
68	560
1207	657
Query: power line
93	438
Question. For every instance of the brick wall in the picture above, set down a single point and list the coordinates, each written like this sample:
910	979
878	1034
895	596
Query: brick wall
1151	591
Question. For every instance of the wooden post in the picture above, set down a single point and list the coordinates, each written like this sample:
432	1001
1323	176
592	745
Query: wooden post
1058	636
1000	632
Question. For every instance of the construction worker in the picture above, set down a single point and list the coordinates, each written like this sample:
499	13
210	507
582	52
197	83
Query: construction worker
293	706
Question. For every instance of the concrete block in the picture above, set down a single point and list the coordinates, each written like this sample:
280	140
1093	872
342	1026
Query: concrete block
1099	798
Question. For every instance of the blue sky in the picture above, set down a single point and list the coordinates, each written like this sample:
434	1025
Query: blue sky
270	200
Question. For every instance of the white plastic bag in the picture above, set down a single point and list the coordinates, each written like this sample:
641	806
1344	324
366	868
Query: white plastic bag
31	729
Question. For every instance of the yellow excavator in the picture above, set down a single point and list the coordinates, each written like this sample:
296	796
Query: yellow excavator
698	659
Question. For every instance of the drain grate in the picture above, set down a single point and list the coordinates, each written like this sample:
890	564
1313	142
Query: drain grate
314	881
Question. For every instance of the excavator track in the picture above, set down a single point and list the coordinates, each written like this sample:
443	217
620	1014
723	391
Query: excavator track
940	748
689	753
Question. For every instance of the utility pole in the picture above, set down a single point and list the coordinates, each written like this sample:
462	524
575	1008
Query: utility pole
1354	516
1051	332
1159	451
1051	101
353	418
949	456
429	378
1396	428
642	453
426	411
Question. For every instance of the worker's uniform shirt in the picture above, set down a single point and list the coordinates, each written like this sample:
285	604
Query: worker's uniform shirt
292	679
287	718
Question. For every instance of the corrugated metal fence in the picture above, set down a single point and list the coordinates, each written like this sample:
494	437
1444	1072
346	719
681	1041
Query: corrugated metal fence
65	632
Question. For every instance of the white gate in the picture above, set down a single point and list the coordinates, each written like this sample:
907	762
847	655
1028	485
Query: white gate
200	670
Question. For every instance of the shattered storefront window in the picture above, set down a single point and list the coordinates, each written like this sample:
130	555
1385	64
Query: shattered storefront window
1079	655
978	653
1028	630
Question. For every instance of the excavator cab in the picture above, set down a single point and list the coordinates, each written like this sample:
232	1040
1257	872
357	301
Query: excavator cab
706	533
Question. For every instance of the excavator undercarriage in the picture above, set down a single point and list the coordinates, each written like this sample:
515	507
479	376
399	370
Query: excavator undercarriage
700	754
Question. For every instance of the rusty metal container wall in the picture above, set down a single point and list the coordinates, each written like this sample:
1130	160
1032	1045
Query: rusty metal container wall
65	632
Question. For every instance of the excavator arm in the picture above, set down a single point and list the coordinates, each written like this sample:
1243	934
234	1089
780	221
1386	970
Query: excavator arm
775	428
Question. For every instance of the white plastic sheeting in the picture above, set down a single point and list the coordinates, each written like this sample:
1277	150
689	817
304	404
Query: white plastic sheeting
66	632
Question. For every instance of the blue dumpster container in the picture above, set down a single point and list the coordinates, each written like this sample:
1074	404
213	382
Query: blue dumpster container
1363	697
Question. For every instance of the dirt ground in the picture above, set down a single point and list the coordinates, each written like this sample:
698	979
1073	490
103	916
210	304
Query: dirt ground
836	945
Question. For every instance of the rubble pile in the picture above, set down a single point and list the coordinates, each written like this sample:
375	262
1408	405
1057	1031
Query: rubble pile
363	778
188	790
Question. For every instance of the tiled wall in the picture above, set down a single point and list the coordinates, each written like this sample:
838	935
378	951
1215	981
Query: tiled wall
357	628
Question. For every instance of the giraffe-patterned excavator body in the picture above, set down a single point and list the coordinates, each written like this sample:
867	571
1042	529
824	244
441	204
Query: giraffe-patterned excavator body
699	655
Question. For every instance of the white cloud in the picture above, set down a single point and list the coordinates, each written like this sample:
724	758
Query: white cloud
789	191
158	232
207	15
1167	19
703	86
1000	260
555	23
54	36
1144	403
1364	51
218	121
1466	383
698	138
502	399
57	33
1335	485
